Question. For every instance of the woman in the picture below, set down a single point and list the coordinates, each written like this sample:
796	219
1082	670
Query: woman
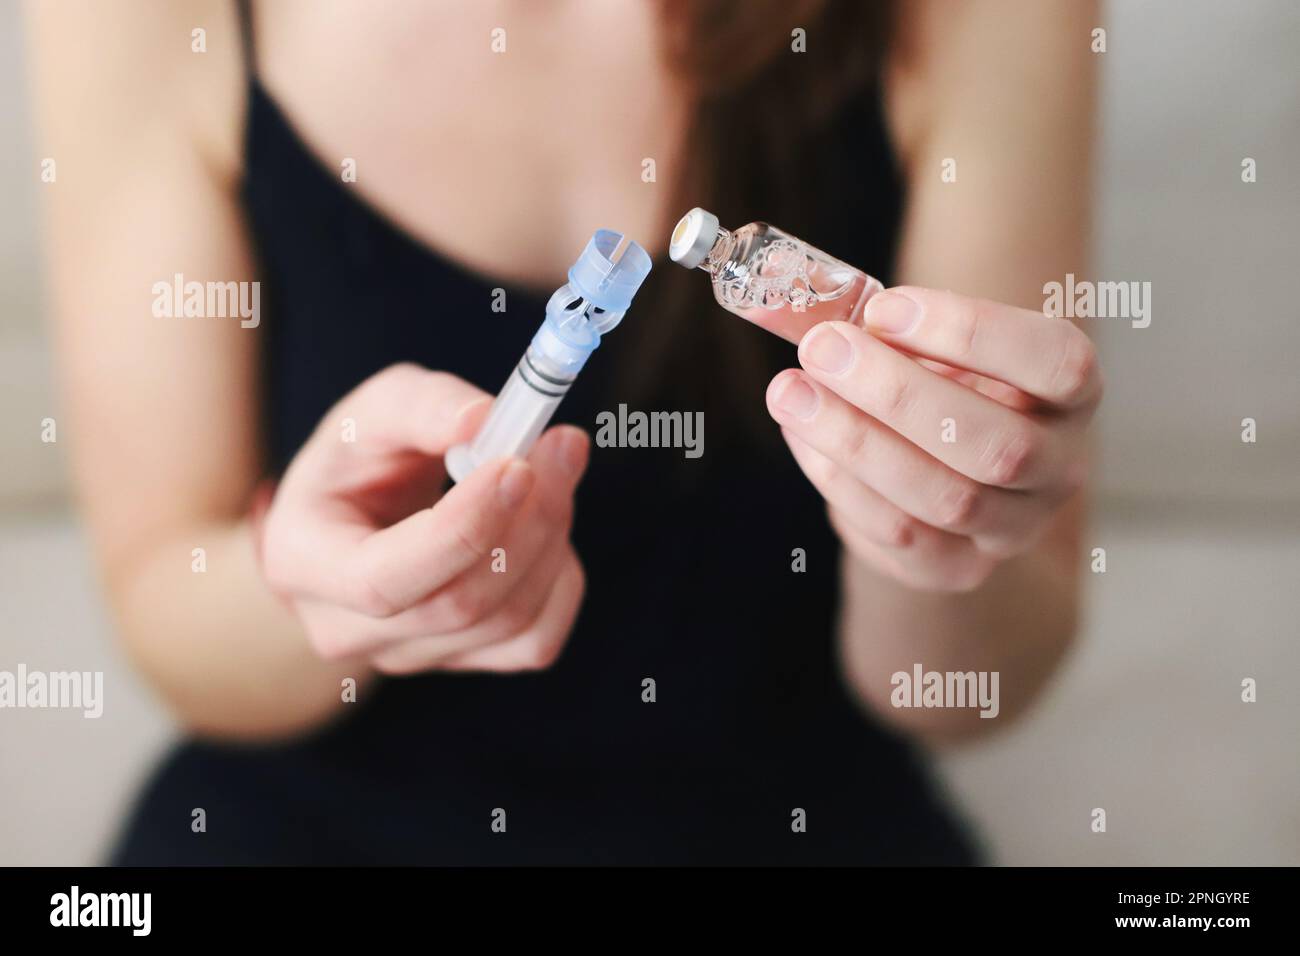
683	661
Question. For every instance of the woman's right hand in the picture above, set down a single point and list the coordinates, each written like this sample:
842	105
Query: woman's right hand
372	571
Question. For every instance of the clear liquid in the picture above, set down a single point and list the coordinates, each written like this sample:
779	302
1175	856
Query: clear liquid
761	267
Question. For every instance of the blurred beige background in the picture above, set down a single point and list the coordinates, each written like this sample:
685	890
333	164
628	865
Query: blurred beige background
1202	532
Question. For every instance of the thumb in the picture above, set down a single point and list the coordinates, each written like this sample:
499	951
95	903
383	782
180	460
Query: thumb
403	409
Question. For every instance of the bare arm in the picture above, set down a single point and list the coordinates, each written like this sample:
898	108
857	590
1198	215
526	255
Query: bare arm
163	412
1006	90
376	569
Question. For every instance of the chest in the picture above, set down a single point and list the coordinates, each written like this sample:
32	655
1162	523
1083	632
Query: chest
499	133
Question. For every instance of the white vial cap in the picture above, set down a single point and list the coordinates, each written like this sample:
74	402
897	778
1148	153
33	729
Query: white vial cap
693	238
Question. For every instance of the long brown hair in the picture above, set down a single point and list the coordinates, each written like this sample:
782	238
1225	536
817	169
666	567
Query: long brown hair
757	105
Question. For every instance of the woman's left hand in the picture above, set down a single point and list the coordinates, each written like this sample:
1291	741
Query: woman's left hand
946	438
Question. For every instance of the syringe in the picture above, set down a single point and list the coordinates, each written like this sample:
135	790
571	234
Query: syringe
600	288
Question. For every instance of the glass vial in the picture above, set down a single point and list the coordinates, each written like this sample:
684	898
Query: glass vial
758	266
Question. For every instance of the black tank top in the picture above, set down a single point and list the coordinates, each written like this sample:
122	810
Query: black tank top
752	749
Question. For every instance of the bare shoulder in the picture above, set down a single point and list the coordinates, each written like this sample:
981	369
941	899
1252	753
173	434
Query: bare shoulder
139	104
111	77
954	63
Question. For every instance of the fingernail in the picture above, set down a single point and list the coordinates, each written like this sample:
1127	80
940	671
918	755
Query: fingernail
891	312
796	397
471	409
826	349
571	453
515	483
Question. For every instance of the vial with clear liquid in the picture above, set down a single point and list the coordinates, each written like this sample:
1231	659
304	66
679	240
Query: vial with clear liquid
760	267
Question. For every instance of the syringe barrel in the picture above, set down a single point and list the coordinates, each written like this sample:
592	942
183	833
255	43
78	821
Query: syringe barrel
520	413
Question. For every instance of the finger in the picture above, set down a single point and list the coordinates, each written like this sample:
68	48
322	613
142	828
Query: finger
877	519
971	433
539	645
938	564
560	456
392	569
559	459
792	322
1047	357
870	514
900	472
334	632
404	408
1000	392
516	614
540	530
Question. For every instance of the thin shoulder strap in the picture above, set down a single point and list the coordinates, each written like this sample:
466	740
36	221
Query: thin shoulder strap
244	9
